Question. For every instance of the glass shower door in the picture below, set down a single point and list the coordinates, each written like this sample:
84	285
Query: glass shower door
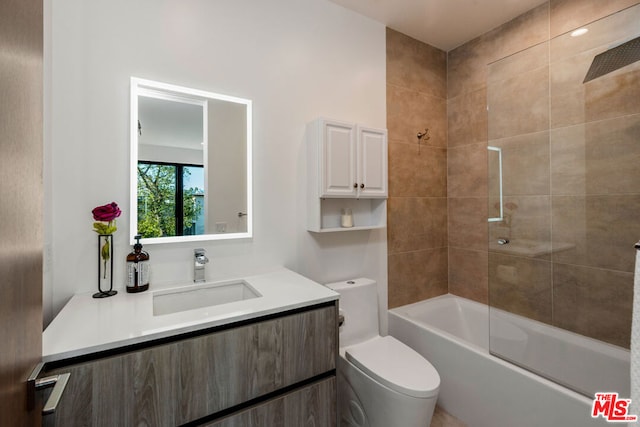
562	229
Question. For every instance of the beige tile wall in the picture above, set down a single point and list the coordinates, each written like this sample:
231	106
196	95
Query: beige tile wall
584	296
437	230
569	14
468	136
417	207
576	175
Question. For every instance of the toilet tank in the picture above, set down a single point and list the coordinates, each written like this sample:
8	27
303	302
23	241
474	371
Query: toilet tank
359	305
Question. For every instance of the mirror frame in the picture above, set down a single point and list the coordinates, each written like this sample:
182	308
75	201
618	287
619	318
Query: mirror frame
140	86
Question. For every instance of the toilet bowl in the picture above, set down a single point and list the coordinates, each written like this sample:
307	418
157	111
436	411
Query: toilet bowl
381	381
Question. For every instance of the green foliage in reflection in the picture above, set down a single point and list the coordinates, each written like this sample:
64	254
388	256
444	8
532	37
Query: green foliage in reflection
157	201
191	208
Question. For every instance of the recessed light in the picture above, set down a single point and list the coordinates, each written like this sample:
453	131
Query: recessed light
579	32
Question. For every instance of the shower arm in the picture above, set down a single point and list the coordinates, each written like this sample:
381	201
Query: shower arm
424	135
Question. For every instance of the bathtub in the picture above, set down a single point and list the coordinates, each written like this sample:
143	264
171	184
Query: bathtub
486	391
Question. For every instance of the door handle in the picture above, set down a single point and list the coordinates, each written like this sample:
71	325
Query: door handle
58	382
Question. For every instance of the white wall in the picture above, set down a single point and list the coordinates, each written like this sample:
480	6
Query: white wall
226	193
296	59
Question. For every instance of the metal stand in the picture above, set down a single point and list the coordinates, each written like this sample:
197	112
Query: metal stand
105	266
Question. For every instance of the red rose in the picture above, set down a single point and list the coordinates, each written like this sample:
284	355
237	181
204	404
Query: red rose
106	213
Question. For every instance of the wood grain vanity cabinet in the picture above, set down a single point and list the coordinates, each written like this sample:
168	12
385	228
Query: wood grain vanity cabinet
271	371
303	407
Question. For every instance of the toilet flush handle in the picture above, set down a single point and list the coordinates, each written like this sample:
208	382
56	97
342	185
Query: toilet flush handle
340	320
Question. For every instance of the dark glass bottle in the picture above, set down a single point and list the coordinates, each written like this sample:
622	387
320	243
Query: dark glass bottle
137	269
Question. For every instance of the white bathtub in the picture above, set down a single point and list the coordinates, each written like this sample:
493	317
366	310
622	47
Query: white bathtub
486	391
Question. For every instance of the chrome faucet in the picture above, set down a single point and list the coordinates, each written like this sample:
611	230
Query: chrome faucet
200	259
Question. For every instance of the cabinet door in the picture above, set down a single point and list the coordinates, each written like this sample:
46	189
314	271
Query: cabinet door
372	162
178	382
314	405
338	159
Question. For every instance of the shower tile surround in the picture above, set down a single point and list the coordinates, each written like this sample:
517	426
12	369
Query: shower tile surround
417	205
583	201
558	178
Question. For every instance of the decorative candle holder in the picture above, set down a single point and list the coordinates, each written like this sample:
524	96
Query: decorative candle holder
105	266
346	218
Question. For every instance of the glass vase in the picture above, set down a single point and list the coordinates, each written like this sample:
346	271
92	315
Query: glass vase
105	266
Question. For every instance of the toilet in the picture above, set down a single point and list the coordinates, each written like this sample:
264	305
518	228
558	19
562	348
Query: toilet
381	381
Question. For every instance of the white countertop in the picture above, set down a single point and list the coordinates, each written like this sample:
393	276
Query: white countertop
87	325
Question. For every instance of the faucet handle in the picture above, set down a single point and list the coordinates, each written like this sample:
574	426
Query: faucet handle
200	256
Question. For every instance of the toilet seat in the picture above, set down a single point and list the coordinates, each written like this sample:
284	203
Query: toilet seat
396	366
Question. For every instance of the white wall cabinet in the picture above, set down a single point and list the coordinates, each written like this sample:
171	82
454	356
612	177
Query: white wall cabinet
347	169
337	146
372	162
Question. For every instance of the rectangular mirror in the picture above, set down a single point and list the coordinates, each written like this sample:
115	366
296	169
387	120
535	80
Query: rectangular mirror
190	164
495	183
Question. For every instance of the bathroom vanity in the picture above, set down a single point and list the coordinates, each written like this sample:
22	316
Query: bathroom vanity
262	360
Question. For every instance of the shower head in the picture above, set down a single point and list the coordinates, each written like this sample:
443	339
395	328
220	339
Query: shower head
613	59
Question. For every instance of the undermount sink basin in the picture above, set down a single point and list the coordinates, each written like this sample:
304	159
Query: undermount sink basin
200	296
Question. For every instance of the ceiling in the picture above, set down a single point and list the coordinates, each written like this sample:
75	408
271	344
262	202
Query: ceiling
445	24
169	123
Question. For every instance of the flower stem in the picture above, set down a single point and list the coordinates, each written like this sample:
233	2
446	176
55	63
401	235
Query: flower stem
106	254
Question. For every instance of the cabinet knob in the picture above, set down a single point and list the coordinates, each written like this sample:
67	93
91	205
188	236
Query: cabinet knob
355	185
361	185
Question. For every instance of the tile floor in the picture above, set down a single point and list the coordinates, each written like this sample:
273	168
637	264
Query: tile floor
442	418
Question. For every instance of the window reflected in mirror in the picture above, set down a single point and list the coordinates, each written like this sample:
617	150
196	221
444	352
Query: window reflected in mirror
170	199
